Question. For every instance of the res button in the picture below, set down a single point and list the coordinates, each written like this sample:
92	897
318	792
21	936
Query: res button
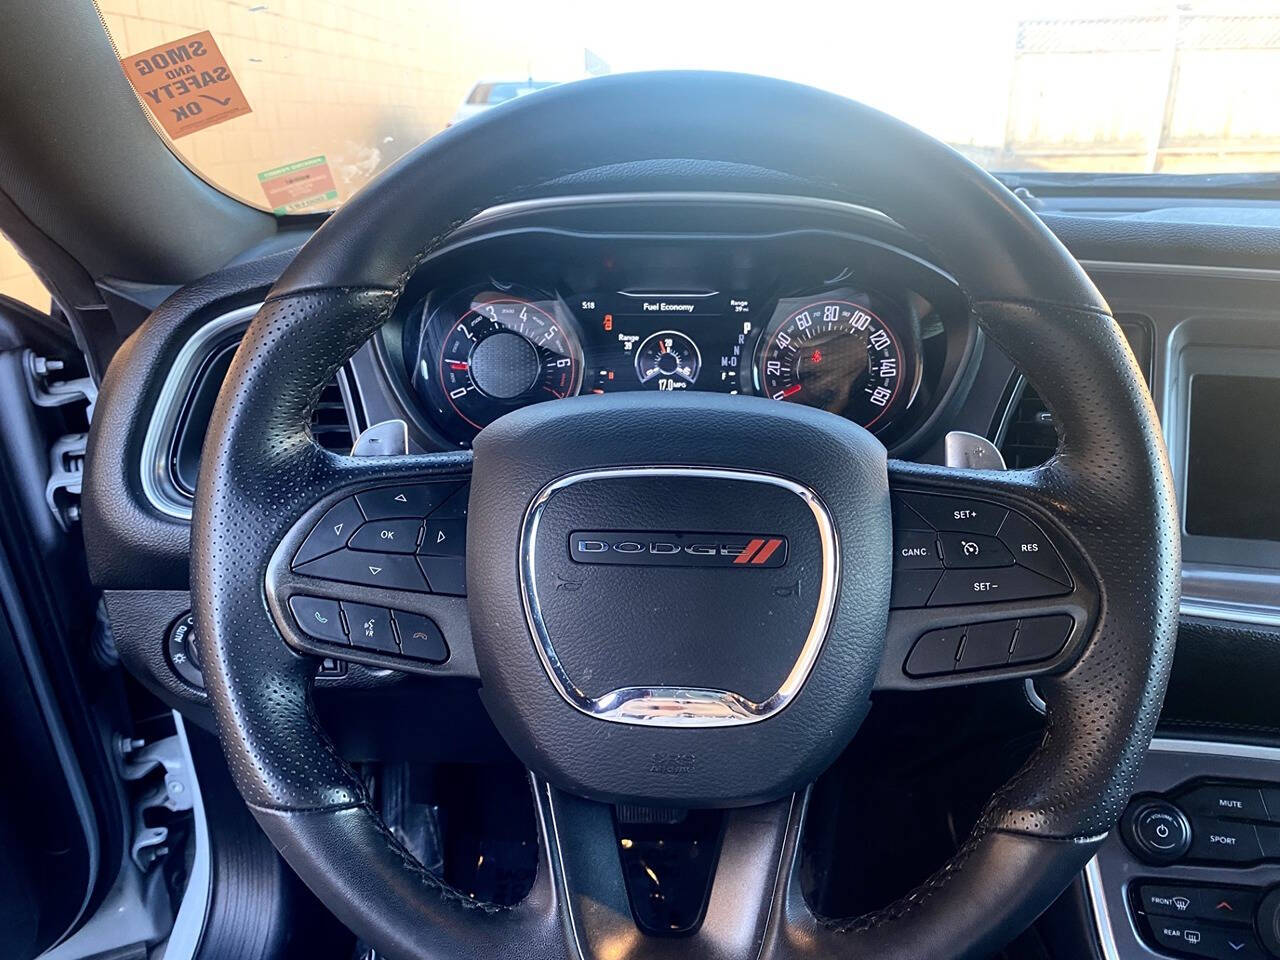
1031	548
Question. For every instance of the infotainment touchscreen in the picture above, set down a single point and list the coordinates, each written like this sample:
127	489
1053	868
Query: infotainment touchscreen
1233	458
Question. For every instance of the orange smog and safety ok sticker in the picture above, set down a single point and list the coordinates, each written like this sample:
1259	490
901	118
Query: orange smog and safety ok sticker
186	84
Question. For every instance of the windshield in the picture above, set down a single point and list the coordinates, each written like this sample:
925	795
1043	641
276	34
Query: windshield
295	105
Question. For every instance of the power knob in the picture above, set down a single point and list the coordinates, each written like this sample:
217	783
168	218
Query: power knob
1157	831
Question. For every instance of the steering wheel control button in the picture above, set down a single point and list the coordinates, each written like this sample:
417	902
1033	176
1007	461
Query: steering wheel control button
332	532
1158	831
447	575
319	619
390	570
973	550
387	536
182	651
1231	801
956	514
912	588
370	627
915	550
987	645
444	538
420	638
935	653
455	507
904	518
1222	841
411	500
992	586
1031	548
1040	638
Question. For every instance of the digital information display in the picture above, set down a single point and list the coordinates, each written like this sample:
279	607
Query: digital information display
641	341
1233	458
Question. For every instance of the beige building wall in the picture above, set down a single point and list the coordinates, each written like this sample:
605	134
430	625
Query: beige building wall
360	82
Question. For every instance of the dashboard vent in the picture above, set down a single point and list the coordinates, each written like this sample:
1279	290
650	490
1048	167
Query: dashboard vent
1026	435
333	423
1029	437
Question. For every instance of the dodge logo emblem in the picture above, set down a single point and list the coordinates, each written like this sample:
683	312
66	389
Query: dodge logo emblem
743	551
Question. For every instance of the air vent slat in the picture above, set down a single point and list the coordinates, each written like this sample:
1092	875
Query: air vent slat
1028	437
330	423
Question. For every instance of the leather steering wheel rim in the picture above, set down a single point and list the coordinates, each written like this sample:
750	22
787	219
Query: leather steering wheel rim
1108	487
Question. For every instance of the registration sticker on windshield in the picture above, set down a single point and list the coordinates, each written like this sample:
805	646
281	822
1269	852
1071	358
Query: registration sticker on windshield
298	185
186	84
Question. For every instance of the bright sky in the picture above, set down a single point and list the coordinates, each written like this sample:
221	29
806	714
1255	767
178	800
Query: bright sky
939	65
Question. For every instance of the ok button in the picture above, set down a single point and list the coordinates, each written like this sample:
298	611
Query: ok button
387	536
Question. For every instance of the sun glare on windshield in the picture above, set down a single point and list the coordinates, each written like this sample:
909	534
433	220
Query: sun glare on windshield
295	106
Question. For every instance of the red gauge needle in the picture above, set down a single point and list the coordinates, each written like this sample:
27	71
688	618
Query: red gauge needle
791	390
457	365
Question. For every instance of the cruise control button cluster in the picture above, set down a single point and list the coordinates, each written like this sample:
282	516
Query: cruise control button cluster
951	551
984	646
368	627
407	537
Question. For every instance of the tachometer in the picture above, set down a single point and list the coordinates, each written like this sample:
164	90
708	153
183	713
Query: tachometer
505	353
837	355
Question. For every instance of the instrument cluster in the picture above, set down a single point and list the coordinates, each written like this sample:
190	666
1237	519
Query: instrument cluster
489	348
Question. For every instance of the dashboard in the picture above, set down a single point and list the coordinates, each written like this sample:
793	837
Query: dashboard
812	302
832	319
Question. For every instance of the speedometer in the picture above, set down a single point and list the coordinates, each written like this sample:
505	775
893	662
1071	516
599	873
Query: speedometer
836	355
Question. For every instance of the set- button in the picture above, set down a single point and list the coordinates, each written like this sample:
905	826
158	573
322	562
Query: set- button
950	551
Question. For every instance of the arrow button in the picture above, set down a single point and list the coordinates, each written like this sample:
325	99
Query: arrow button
390	570
410	500
444	538
331	532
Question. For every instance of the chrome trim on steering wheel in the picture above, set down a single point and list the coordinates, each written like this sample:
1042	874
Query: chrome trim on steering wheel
658	706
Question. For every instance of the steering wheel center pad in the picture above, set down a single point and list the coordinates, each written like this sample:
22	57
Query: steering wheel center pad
650	606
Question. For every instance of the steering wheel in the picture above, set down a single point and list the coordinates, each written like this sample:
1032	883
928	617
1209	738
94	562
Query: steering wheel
755	690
